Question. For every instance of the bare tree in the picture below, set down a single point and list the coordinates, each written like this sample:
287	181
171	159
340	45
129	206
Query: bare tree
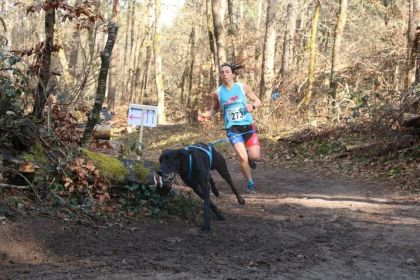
269	51
149	42
307	100
191	66
113	77
219	31
212	44
126	68
288	39
259	15
101	89
102	79
338	35
74	48
158	65
413	48
42	92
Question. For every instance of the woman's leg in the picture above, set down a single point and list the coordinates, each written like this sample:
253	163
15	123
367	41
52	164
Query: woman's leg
253	146
254	152
242	154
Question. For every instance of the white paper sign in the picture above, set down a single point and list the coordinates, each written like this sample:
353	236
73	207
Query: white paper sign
145	115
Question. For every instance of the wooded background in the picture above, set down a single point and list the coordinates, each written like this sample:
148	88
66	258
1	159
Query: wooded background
327	60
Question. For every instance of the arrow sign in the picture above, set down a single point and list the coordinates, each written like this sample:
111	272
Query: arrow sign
133	117
136	113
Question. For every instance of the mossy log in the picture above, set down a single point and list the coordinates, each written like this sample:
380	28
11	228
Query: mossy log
120	172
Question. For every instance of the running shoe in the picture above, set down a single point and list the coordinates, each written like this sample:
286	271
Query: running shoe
252	163
251	188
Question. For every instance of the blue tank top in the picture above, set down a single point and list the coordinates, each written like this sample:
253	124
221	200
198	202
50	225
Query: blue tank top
233	104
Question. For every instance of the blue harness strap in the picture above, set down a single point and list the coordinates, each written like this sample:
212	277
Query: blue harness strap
208	152
218	141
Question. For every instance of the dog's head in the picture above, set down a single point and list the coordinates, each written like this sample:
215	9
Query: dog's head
170	164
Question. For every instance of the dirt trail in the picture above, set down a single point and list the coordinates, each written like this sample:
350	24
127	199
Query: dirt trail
298	226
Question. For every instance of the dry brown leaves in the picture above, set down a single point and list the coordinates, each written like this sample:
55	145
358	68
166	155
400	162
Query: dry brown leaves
85	178
105	147
65	126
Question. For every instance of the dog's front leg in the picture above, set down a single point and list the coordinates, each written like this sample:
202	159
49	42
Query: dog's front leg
221	167
205	188
198	190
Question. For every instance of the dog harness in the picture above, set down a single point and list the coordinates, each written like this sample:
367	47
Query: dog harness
208	152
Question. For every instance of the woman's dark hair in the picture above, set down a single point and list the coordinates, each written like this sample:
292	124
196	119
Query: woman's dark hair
233	67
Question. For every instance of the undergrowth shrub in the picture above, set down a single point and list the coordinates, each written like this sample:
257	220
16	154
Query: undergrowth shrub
143	199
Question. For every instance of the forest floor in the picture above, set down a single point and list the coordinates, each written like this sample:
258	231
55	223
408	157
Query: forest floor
301	224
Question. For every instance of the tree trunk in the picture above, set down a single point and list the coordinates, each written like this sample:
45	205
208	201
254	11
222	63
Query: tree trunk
126	64
232	23
146	73
232	31
191	66
74	48
219	31
158	65
42	93
269	51
135	80
288	40
307	100
259	15
132	55
112	75
212	44
101	89
413	42
132	36
66	78
338	35
112	88
182	85
149	42
127	31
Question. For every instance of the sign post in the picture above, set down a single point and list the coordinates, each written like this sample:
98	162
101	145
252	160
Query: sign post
142	115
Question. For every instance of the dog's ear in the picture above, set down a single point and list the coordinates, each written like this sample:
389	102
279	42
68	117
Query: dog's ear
183	153
166	154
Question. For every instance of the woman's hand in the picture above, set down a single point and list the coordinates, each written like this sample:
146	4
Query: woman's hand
204	117
250	107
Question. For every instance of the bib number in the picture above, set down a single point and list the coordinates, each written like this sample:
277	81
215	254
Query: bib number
235	114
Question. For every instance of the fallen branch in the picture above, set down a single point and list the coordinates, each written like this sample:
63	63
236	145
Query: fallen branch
26	179
359	146
8	186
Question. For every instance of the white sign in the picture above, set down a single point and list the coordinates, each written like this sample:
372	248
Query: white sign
143	115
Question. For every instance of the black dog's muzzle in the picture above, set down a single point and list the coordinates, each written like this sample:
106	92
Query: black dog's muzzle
164	182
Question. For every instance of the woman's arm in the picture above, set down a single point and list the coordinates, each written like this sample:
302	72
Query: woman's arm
213	110
255	101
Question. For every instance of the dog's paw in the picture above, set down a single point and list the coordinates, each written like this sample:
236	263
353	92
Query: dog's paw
241	200
205	228
221	218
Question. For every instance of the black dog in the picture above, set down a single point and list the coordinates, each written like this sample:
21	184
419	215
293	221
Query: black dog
193	164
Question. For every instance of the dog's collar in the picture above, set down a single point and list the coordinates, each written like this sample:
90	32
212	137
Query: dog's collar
208	152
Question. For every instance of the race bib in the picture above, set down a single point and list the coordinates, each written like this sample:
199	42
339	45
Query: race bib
235	113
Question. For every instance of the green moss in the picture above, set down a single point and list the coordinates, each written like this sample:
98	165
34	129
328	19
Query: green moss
37	155
140	171
323	148
111	168
27	157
